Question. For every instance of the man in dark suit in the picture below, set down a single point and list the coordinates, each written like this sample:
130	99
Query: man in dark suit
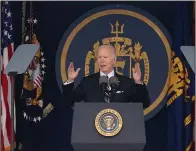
89	90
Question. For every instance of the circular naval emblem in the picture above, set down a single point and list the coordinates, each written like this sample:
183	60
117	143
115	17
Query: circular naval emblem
140	40
108	122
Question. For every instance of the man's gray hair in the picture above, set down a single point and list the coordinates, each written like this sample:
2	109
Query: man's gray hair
108	47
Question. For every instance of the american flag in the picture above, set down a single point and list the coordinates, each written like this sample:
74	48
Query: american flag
7	44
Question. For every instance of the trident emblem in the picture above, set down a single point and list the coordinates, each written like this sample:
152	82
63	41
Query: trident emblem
117	26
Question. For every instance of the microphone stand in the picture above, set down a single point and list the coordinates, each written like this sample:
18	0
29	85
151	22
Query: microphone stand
112	91
111	94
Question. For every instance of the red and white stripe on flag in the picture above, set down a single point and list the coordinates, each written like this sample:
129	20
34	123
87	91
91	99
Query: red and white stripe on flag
7	44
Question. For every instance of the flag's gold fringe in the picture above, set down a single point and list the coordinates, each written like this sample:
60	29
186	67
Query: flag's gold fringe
189	146
19	146
187	120
8	148
193	98
47	110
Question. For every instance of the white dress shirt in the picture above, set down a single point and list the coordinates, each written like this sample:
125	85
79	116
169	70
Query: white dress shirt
111	74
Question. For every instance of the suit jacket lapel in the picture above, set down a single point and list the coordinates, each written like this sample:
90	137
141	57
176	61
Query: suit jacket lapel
119	82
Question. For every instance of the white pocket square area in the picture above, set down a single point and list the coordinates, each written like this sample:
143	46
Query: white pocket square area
119	91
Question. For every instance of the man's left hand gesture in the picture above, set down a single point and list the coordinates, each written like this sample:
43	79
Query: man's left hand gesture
137	74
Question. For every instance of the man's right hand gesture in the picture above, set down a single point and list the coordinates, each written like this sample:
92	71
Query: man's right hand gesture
72	74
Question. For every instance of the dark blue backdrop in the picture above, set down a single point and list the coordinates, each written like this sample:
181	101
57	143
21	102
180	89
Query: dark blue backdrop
53	133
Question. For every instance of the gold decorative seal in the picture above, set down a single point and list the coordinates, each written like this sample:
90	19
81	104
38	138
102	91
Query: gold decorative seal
108	122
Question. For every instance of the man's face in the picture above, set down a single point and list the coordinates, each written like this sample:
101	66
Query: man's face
105	60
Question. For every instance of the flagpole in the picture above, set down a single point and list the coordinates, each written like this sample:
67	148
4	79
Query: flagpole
23	20
12	75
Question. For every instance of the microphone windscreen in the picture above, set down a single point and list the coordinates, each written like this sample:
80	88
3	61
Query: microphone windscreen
113	80
103	79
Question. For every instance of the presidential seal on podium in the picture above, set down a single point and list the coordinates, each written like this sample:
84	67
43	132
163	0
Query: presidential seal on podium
108	122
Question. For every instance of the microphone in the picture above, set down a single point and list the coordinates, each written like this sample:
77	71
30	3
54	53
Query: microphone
103	82
113	82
